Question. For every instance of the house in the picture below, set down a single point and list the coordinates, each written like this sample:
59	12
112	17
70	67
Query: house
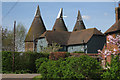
114	30
37	28
87	40
80	39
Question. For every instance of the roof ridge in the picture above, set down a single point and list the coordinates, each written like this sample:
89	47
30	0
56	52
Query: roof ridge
84	29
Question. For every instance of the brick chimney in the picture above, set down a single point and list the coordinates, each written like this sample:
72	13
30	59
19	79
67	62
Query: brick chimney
117	12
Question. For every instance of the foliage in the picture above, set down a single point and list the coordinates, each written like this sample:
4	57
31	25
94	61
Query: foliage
39	61
6	61
67	54
57	55
71	67
54	47
24	62
112	50
114	72
20	37
78	52
37	78
8	38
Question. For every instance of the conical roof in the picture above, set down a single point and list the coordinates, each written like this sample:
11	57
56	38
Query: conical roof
59	23
37	27
79	23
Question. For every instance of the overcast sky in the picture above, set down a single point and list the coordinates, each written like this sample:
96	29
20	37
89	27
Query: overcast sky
95	14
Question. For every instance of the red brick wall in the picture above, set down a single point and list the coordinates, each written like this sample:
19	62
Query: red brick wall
109	47
28	46
79	54
57	55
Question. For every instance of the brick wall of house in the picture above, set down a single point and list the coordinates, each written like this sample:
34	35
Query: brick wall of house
28	46
57	55
110	46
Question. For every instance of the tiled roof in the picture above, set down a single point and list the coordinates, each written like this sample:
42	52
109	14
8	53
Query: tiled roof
59	23
115	27
37	27
79	23
70	38
59	37
82	36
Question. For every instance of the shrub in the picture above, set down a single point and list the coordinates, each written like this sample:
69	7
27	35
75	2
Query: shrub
78	52
24	61
83	67
57	55
72	67
38	78
39	61
67	54
114	72
110	55
6	62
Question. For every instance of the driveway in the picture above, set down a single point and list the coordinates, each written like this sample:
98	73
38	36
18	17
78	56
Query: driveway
18	76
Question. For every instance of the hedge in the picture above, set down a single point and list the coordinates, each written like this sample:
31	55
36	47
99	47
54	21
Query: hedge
83	67
39	61
57	55
24	62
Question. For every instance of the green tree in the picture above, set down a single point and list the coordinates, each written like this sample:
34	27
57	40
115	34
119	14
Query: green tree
8	38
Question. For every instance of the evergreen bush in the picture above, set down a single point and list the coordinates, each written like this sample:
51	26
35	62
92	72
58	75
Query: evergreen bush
113	73
24	61
39	61
71	67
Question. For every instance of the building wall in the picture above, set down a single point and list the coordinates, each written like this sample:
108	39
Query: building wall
95	43
76	48
41	44
28	46
111	46
64	48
